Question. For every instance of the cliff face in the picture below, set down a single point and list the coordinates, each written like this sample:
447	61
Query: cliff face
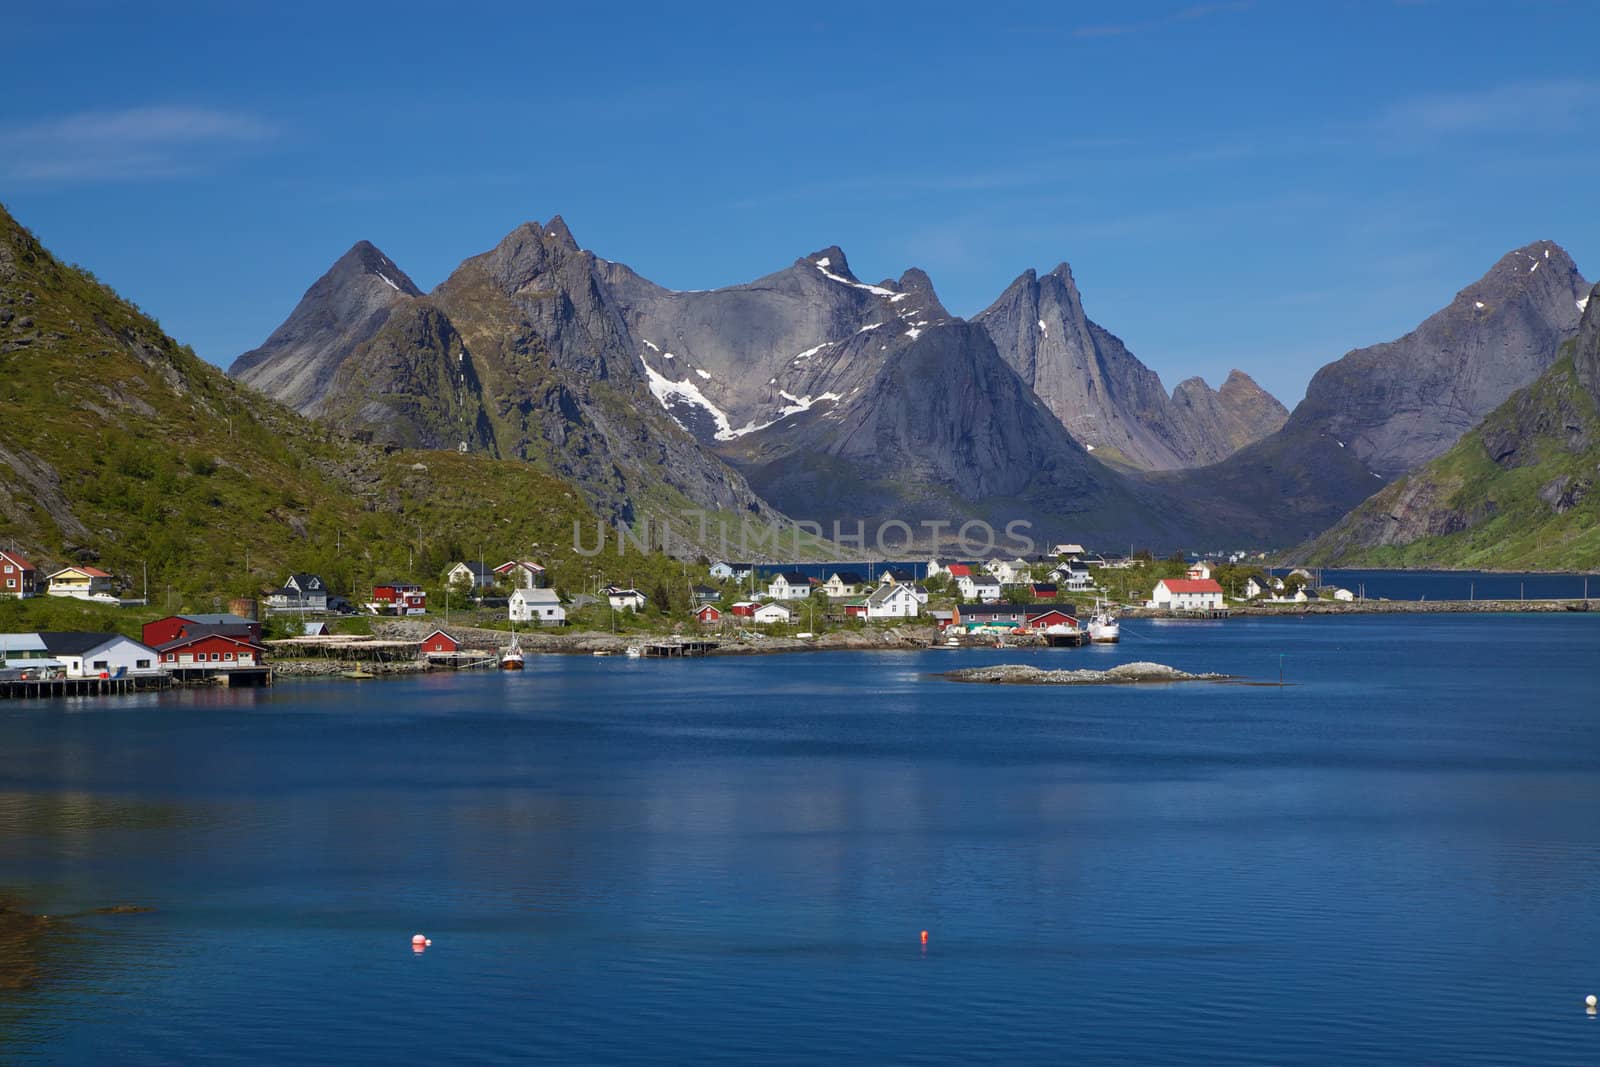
1376	413
1105	397
341	310
1517	491
521	353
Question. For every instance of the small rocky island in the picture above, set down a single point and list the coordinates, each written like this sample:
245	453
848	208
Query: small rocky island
1122	674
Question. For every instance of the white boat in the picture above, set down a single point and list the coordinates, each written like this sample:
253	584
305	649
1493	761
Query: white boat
511	656
1104	629
634	651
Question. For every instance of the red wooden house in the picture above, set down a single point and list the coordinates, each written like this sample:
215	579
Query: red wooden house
708	614
211	651
439	643
18	577
1044	590
174	627
400	598
1039	619
745	609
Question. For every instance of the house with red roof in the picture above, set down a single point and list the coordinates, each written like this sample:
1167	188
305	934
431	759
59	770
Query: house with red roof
18	578
82	583
1187	594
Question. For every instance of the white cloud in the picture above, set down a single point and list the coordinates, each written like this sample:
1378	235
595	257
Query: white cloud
1549	107
144	142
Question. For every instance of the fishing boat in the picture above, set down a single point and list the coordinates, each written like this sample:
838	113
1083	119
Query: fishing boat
511	656
358	674
634	652
1104	629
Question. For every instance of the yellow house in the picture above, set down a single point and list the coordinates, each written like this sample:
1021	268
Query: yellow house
80	582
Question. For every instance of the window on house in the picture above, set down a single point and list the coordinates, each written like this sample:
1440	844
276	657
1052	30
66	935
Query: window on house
227	655
101	665
142	664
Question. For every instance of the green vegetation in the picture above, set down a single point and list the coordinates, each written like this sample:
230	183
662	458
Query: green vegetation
120	447
1532	510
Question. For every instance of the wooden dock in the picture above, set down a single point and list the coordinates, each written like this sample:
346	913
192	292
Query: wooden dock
56	688
677	649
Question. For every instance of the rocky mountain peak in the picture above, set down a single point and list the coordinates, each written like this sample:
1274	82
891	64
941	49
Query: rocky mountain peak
343	308
832	260
557	232
365	258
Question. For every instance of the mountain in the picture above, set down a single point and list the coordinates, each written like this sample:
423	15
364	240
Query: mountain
521	353
846	401
652	398
1374	414
1518	491
345	307
1105	397
120	446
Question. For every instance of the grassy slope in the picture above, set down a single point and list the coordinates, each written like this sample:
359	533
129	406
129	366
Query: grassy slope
1507	525
118	444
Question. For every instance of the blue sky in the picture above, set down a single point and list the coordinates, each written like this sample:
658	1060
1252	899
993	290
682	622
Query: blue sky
1261	185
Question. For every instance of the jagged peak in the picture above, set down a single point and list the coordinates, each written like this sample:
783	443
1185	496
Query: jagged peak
366	258
832	259
1063	272
556	230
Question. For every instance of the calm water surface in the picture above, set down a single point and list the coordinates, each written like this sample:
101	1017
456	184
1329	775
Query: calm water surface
1394	860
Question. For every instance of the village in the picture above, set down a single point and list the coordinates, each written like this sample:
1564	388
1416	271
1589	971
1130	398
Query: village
302	626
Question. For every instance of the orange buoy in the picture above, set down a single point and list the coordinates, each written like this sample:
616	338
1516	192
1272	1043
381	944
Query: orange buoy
418	939
924	937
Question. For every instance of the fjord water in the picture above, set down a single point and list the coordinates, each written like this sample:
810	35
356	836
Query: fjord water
1394	859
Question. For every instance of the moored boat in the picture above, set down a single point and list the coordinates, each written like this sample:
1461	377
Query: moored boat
511	656
1104	629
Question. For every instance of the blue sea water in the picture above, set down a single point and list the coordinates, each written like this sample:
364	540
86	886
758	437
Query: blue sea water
1393	859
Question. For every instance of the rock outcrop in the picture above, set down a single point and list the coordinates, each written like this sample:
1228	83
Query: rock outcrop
1105	397
1122	674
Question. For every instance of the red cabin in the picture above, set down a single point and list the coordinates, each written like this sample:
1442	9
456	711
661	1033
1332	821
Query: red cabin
745	609
1050	617
708	613
440	642
214	651
402	598
18	577
174	627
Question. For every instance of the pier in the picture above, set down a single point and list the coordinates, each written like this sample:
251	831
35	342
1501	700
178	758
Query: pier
51	688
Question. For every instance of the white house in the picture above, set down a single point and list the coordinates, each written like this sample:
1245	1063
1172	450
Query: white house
920	592
1200	570
984	587
935	568
789	585
722	570
1186	594
1255	587
1343	594
1067	549
893	602
90	655
470	574
626	599
771	614
521	573
843	583
542	606
1009	571
1072	576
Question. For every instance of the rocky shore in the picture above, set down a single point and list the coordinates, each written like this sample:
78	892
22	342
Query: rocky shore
321	668
1382	607
731	643
1122	674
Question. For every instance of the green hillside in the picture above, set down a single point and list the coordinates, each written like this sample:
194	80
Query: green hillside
120	447
1515	493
